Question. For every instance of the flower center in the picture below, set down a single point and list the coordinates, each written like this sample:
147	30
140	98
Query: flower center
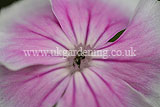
80	58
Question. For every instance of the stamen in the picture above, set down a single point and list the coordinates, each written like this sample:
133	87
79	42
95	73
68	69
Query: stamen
81	59
78	59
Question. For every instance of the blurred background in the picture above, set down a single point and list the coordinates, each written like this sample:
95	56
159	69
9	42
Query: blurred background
5	3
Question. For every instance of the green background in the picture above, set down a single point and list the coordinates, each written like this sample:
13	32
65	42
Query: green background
5	3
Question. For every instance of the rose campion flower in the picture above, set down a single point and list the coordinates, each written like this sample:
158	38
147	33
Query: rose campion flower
80	81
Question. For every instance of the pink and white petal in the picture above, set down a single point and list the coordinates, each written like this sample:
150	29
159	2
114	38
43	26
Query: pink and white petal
36	86
142	35
119	93
142	70
77	94
138	75
91	89
88	20
30	25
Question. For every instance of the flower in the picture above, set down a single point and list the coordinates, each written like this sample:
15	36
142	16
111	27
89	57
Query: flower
80	80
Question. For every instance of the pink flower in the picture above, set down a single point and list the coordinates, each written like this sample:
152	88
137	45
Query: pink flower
80	80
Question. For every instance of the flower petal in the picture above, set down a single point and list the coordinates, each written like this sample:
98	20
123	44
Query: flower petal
93	89
30	25
86	21
140	70
37	86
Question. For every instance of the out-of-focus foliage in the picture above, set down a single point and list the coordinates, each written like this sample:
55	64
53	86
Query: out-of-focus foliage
5	3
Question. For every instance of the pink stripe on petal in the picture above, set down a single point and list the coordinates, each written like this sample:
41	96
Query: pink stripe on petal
141	71
77	94
43	90
85	21
35	28
100	90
